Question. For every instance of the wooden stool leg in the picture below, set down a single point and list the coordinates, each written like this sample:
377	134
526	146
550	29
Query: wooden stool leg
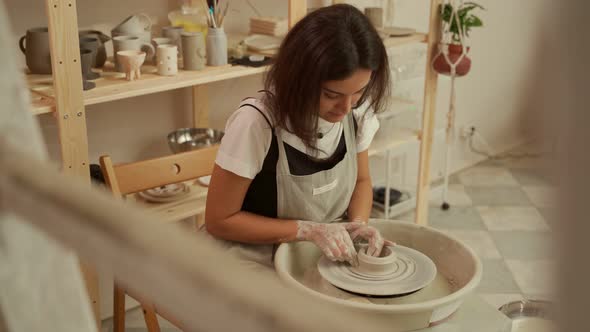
119	309
151	320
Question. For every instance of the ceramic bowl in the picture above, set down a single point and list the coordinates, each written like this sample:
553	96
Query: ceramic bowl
187	139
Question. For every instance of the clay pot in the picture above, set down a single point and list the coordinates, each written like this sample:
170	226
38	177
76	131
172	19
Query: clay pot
441	65
382	265
131	62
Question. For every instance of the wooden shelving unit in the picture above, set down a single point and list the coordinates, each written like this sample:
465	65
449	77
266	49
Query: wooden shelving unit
113	86
62	95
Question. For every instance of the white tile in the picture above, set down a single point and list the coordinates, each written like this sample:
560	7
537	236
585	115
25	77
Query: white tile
481	242
509	218
456	196
485	176
541	196
499	299
134	318
533	277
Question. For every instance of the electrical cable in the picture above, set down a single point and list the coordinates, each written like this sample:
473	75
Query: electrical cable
506	155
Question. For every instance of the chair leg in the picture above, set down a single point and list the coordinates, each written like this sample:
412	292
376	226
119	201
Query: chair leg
151	320
119	309
199	220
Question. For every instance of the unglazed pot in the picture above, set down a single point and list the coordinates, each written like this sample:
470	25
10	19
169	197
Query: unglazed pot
131	62
381	265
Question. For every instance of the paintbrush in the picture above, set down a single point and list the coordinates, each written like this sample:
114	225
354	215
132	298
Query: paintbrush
224	13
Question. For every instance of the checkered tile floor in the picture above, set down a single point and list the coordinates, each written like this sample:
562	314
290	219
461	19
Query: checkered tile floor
502	209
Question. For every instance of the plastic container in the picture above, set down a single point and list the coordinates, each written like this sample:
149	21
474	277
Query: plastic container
191	18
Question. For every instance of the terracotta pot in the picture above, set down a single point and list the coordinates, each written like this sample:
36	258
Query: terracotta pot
455	51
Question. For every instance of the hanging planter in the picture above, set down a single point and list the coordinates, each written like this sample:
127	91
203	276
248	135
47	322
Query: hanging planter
457	21
452	59
456	57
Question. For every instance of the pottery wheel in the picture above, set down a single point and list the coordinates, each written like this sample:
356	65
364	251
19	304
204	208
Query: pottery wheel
413	271
167	193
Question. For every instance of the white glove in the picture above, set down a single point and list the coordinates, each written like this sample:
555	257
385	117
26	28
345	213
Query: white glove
333	239
360	229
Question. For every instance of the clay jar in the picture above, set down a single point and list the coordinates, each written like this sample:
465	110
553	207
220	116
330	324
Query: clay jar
441	65
35	46
377	266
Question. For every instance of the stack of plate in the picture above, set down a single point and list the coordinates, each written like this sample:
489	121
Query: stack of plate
164	194
272	26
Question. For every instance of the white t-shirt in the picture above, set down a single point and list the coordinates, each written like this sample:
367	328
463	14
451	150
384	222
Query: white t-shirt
248	136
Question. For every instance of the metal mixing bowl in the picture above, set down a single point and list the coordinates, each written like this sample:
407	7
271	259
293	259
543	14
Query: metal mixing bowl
530	315
187	139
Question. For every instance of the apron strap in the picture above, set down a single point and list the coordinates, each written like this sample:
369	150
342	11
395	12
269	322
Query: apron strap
262	113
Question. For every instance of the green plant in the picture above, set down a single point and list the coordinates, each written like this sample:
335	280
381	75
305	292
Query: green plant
464	17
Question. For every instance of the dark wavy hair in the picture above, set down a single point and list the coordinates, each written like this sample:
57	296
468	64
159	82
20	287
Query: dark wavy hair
330	43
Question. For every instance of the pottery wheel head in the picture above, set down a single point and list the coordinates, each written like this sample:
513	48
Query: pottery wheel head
408	271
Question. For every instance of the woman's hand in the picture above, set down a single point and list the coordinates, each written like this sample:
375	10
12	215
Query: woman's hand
333	239
359	229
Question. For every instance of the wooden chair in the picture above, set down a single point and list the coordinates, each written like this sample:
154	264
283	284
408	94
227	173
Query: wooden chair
124	180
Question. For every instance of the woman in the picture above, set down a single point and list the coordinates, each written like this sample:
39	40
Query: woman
295	158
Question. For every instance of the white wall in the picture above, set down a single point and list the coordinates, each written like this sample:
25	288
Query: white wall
491	97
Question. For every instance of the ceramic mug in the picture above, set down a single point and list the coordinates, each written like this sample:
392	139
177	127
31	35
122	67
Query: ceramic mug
174	33
157	42
130	43
36	50
134	24
167	60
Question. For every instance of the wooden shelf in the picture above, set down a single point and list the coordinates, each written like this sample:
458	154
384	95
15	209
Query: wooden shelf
397	138
405	205
41	104
399	106
113	86
417	37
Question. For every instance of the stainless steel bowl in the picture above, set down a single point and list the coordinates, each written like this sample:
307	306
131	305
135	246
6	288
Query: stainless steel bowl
187	139
530	315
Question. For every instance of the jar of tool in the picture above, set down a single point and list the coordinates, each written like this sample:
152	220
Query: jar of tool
216	47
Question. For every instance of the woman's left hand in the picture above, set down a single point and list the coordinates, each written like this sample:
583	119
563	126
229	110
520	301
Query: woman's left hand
361	229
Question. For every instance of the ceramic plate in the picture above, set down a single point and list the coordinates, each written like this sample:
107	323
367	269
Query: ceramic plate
397	31
413	271
204	180
167	193
262	42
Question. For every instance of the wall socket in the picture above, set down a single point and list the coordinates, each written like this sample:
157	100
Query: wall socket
467	131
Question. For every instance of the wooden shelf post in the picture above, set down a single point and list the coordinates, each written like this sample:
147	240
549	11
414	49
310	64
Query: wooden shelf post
200	106
297	9
70	113
428	116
